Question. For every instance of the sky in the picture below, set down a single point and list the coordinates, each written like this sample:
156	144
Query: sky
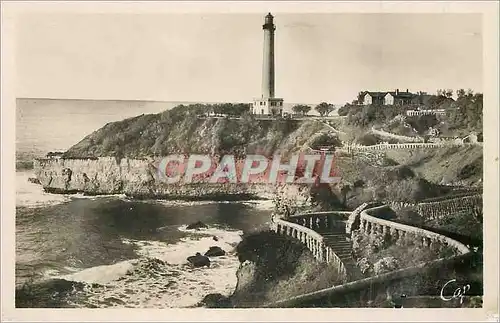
218	57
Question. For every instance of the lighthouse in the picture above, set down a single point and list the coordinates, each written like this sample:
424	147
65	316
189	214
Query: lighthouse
268	104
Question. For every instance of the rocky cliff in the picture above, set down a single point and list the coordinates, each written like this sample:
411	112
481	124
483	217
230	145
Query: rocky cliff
136	178
122	157
272	268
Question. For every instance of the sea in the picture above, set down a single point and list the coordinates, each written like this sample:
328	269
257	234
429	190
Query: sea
111	251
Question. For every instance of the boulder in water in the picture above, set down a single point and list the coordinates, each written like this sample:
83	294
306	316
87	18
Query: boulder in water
215	252
199	260
197	225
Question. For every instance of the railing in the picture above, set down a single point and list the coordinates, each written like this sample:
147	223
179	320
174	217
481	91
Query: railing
425	112
386	134
302	227
371	224
312	240
326	220
442	206
416	145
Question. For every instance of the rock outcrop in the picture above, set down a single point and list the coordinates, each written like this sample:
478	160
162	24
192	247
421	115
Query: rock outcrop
136	178
197	225
199	260
215	252
215	301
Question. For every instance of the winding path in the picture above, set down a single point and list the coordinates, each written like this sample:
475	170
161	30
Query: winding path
326	235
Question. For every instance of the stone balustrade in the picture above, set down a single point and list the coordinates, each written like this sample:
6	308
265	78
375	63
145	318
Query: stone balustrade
372	225
354	218
411	113
444	206
388	146
320	221
302	227
415	145
311	239
386	134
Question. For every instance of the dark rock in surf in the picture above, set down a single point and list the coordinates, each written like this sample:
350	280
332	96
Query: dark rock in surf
199	260
215	252
197	225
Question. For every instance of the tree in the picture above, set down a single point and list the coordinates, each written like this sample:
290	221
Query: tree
460	93
239	109
344	190
324	108
447	93
468	112
344	110
301	109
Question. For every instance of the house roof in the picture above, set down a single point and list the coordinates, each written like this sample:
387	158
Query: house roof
399	95
376	94
403	95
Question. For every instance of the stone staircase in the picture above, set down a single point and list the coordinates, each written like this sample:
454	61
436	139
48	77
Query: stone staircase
338	241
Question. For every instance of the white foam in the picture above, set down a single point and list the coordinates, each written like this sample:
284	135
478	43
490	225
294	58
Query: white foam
32	195
94	197
265	205
145	283
178	253
101	274
173	286
187	203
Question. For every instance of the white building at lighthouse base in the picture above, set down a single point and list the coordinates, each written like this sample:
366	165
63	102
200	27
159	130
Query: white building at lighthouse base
268	106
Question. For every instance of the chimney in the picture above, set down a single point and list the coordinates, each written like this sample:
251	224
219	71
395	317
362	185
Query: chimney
397	91
406	90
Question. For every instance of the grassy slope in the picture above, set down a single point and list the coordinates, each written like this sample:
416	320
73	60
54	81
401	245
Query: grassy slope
452	165
178	131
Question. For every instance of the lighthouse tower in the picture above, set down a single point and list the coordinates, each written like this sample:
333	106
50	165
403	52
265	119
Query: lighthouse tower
267	104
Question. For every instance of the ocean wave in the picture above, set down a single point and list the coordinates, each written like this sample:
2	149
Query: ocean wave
265	205
32	195
161	277
94	197
258	204
187	203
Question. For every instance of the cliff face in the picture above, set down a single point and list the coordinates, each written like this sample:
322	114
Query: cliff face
274	268
133	177
121	156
